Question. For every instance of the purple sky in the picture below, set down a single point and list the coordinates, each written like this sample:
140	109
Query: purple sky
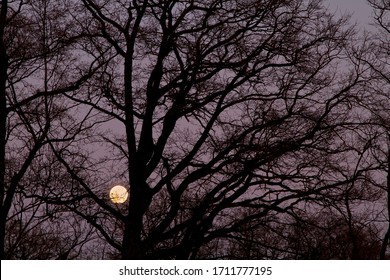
360	9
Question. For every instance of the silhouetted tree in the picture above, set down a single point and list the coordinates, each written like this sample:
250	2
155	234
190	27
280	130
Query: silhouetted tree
36	67
380	108
321	235
242	128
217	108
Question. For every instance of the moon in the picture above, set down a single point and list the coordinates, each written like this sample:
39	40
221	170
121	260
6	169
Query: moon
118	194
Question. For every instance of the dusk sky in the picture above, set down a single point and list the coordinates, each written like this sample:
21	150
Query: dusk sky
193	130
362	12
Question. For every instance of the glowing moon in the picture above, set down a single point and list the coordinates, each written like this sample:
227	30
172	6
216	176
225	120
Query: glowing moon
118	194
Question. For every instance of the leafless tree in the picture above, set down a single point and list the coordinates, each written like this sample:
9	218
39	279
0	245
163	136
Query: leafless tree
36	68
227	120
380	108
321	235
217	109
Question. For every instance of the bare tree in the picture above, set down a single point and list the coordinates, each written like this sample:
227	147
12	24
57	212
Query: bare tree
216	108
36	68
321	235
380	106
231	123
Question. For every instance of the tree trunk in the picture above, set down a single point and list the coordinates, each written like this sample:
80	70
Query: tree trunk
132	245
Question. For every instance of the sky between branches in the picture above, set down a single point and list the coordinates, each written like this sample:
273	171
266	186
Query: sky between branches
362	12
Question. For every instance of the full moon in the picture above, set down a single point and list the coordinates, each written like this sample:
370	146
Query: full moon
118	194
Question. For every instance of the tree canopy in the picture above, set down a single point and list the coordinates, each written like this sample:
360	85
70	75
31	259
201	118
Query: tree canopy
241	129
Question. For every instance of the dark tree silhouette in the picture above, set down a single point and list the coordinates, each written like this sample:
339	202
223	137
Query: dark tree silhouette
217	108
380	109
233	124
322	235
36	68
